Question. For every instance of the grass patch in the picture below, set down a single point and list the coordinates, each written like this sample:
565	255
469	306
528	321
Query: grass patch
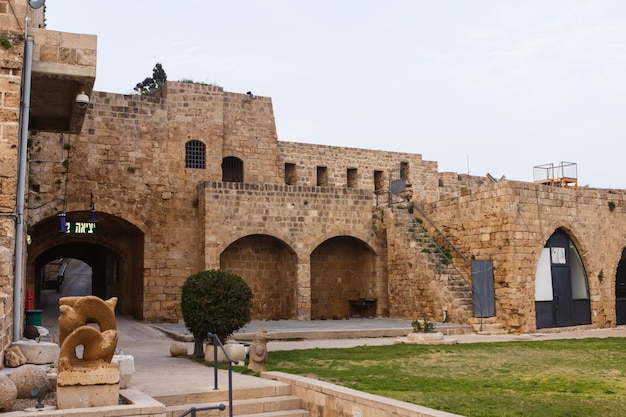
544	378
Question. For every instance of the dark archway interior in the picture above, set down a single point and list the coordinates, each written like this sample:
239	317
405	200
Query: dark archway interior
114	253
342	269
268	266
620	291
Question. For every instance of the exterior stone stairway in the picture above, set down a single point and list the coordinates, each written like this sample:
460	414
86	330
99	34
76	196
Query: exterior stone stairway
458	286
487	326
247	402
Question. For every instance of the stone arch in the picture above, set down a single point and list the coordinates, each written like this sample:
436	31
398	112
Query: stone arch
269	267
561	285
115	252
343	268
620	290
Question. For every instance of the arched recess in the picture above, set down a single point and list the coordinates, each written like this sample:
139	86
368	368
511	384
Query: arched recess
268	265
561	286
620	291
343	268
115	253
232	169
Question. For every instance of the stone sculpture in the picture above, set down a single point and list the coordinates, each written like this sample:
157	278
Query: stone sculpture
258	351
91	380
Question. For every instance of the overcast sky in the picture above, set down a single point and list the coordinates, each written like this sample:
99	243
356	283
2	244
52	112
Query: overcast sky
483	86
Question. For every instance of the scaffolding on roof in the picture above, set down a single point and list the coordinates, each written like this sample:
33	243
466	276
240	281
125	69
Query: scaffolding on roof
563	174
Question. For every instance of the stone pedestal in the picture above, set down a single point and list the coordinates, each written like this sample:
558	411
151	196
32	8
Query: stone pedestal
79	396
88	387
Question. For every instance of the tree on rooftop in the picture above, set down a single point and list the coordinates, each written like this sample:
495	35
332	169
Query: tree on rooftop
150	85
216	302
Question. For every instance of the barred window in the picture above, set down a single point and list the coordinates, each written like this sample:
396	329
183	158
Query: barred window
195	154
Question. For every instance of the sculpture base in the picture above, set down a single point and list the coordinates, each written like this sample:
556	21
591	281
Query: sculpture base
86	396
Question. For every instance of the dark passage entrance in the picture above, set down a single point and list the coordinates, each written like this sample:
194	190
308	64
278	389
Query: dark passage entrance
561	288
620	290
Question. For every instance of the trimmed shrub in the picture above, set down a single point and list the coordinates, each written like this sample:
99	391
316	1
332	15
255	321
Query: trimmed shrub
216	302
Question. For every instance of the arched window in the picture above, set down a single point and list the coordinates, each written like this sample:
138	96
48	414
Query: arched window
195	154
232	169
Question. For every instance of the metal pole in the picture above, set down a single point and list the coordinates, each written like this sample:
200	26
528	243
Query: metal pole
21	186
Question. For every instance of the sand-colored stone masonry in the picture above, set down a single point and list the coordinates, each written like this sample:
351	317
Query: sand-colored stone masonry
303	218
422	175
10	78
510	223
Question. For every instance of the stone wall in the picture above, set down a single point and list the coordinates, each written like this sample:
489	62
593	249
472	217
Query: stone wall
422	175
510	223
301	219
10	78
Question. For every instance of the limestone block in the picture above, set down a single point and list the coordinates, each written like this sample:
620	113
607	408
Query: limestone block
126	364
179	349
28	377
78	396
13	357
105	374
8	393
38	353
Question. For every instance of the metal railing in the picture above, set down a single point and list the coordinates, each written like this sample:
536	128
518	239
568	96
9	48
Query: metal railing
441	253
217	342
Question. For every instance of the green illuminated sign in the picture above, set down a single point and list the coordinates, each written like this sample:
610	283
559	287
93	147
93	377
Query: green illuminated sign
81	227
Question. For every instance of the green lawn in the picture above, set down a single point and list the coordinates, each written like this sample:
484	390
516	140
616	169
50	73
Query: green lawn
543	378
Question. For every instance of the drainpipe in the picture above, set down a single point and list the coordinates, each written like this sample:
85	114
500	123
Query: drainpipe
21	186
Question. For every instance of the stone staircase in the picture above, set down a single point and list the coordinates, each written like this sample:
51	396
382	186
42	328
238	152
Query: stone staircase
456	284
488	326
247	402
458	287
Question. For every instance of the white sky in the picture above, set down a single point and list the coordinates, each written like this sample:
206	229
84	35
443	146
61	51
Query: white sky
491	85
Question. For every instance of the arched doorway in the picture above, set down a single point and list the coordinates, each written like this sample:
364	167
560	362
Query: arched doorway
268	265
561	287
232	169
114	254
620	291
343	268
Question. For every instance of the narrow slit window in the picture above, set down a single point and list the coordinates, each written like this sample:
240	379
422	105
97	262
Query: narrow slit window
352	177
290	174
322	176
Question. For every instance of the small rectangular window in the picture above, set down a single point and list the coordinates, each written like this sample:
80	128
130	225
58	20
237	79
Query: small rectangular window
352	177
378	181
322	176
290	174
404	170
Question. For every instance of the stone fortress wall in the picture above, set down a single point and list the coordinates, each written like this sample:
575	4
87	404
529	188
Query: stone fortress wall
309	226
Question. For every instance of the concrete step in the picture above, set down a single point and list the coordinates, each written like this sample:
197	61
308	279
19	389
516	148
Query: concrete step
284	406
221	396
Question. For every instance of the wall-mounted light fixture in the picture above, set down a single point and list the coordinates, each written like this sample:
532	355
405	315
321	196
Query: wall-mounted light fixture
92	210
62	224
82	99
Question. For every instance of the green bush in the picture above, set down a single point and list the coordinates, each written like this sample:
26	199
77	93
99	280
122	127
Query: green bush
216	302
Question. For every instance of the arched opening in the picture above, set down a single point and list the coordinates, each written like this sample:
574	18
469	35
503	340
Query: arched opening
343	268
620	291
107	263
561	287
232	169
268	266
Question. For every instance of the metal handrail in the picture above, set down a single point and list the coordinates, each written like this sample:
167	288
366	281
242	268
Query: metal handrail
467	282
193	410
218	342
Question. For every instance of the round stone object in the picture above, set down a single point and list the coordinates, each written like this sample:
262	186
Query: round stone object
178	349
8	393
28	377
